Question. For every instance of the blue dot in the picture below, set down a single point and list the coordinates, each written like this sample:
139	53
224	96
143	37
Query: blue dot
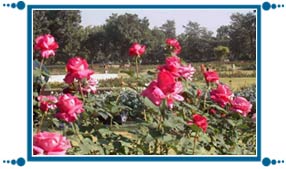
4	161
266	162
8	5
21	161
266	6
279	161
13	5
282	161
21	5
273	6
13	162
8	161
4	5
273	162
279	6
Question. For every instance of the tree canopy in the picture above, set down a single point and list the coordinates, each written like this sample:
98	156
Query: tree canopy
110	42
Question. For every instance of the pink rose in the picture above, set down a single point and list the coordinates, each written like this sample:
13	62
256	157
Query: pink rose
47	102
174	66
77	68
154	93
69	107
174	45
90	86
137	49
175	95
164	87
47	45
211	76
187	71
199	121
221	95
241	105
47	143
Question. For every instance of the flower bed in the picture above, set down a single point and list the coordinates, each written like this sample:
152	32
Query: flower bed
171	114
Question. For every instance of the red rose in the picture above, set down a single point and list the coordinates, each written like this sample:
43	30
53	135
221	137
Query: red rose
174	45
211	76
47	102
199	121
166	81
137	49
47	45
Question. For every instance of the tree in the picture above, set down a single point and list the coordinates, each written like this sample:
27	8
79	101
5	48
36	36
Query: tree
123	30
169	29
243	36
197	43
64	26
221	52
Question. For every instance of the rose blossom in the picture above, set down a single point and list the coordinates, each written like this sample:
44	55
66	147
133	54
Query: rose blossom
199	121
241	105
166	81
221	95
174	44
47	102
199	93
154	93
173	65
47	45
175	95
47	143
164	87
90	86
137	49
77	68
211	76
187	71
69	107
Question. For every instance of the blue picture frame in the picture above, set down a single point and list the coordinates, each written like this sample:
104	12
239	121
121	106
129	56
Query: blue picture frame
226	158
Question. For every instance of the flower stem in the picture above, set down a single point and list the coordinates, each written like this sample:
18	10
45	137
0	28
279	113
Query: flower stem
80	90
195	141
76	132
41	122
205	97
41	64
137	66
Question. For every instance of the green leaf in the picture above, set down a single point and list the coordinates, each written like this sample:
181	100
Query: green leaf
150	105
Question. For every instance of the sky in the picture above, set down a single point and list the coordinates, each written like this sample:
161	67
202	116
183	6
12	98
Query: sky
211	19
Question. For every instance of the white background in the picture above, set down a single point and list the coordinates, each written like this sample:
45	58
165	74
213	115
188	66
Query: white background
13	74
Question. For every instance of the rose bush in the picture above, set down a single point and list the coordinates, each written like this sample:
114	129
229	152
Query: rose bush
170	113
